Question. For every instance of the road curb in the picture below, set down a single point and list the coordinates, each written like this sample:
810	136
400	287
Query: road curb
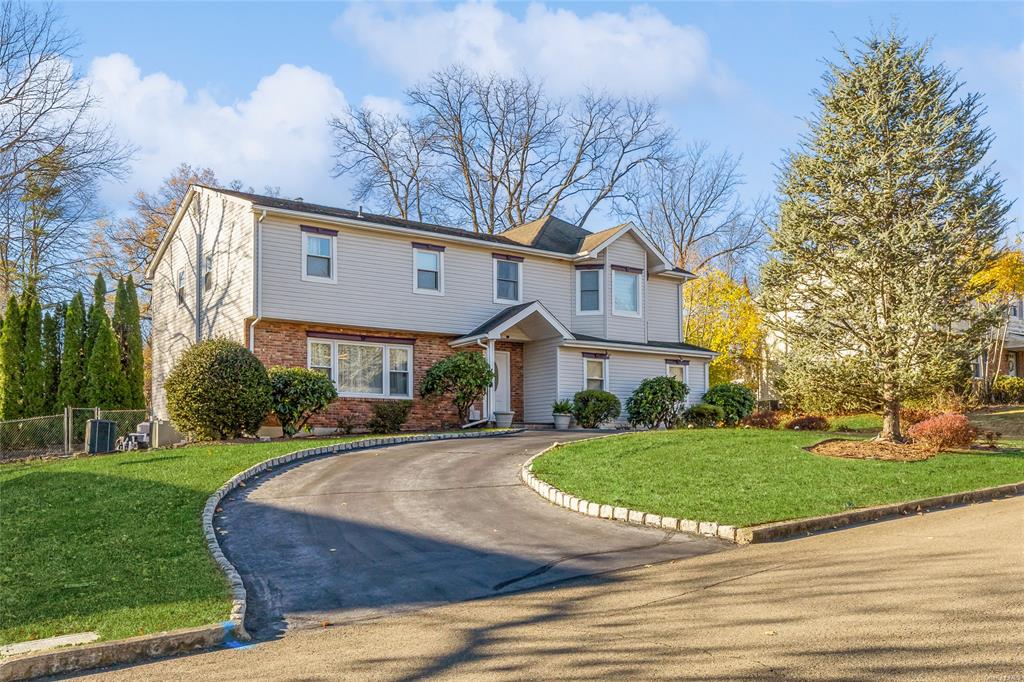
117	652
745	535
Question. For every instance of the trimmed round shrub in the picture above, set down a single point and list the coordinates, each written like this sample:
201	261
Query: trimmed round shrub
592	408
808	422
297	394
944	432
217	390
1008	390
389	415
465	375
736	400
657	401
763	419
704	415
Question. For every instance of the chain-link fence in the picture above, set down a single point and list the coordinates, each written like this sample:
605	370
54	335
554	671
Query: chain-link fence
60	434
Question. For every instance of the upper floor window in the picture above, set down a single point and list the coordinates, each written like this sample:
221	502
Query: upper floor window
589	291
181	287
1015	310
428	269
208	272
595	373
318	254
626	292
508	279
363	369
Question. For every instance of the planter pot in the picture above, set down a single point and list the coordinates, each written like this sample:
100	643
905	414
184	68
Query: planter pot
503	420
562	421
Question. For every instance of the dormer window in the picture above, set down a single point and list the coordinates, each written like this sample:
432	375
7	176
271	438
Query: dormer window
508	278
318	254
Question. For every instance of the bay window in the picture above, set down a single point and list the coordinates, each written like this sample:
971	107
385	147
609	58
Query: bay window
364	369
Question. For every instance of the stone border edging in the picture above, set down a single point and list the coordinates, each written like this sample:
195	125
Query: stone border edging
114	652
750	534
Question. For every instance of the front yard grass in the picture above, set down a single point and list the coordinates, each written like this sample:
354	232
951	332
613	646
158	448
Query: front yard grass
743	477
114	543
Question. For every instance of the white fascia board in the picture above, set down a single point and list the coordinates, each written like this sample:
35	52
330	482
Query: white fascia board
656	350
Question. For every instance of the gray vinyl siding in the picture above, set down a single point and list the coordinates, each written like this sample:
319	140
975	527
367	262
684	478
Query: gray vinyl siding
222	226
663	310
625	372
374	283
628	251
540	380
592	325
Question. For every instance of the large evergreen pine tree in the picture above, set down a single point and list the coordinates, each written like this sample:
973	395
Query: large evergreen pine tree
51	359
70	390
128	330
33	379
97	311
104	382
888	212
11	362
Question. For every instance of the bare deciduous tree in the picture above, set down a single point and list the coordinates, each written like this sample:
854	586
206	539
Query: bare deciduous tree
497	152
690	204
52	153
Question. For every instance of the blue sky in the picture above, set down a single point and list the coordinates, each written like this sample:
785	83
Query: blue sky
245	88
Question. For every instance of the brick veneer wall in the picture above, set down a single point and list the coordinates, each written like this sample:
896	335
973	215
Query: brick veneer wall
284	343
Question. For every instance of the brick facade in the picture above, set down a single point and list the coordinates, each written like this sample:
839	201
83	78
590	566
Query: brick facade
284	343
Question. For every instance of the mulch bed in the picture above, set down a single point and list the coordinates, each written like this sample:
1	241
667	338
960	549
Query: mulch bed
869	449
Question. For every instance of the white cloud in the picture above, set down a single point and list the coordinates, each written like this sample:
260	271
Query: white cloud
641	51
277	135
386	106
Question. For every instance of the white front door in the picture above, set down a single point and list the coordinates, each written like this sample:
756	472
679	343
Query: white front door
502	382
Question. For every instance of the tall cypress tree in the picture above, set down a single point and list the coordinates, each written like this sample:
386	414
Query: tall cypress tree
128	330
104	383
11	362
72	360
97	311
51	360
34	375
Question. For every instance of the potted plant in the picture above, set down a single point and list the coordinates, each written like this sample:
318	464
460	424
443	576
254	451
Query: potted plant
562	413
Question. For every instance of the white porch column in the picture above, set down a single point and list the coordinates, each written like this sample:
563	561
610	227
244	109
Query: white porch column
489	396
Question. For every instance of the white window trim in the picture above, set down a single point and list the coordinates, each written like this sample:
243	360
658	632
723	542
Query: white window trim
686	379
519	289
440	273
179	288
386	384
333	279
600	292
208	265
639	295
604	377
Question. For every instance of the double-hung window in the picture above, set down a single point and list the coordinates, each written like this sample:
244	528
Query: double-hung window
208	272
508	279
428	269
181	287
318	254
589	291
595	373
626	291
364	368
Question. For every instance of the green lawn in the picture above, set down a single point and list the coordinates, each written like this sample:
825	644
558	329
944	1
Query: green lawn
114	543
748	476
855	422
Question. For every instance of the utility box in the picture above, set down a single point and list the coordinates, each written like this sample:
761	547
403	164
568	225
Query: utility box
100	436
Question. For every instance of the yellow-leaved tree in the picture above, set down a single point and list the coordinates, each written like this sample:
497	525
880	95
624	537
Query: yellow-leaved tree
1003	282
719	313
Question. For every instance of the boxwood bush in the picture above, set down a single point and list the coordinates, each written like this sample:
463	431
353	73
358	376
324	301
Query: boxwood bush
704	415
657	401
217	390
389	415
297	394
736	400
592	408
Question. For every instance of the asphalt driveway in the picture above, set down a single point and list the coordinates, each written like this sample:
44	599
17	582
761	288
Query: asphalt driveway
359	535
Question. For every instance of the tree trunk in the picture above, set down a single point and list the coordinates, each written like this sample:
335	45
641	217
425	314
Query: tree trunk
891	423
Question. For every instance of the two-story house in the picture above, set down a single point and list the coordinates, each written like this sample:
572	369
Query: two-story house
373	301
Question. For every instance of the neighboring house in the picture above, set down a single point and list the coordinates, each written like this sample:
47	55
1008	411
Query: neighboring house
1008	341
373	301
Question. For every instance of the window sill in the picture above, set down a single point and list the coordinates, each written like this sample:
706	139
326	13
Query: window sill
625	314
373	396
321	280
502	301
589	313
428	292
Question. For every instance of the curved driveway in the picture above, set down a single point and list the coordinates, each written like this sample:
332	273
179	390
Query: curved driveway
358	535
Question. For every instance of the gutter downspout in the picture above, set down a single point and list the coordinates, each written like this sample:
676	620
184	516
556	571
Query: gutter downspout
258	283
